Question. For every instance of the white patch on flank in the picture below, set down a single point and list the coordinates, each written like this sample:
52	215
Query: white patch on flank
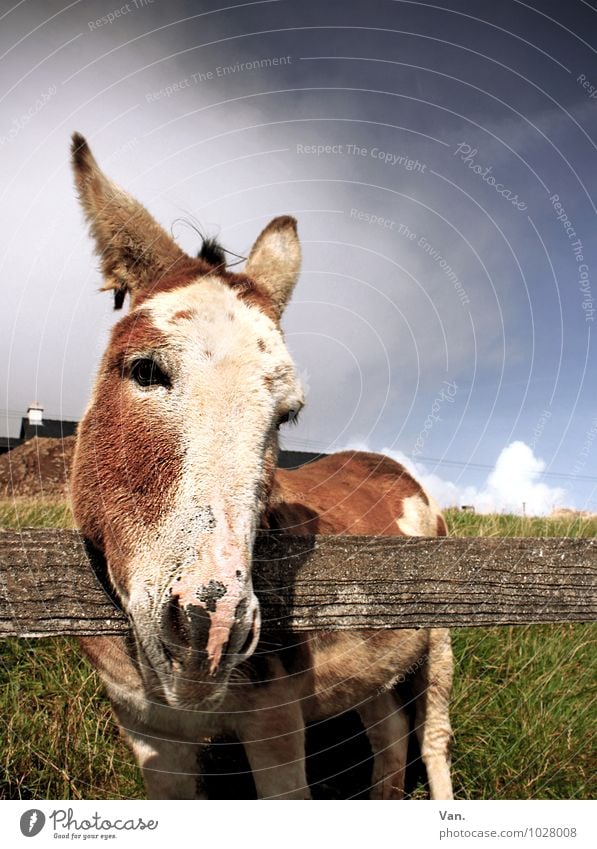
418	519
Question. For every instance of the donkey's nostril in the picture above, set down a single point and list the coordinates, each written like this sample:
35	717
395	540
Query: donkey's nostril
174	635
172	618
206	622
184	627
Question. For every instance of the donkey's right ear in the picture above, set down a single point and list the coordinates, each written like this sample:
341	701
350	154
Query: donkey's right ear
135	252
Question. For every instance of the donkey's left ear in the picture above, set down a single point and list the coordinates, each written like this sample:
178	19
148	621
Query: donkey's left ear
134	250
275	260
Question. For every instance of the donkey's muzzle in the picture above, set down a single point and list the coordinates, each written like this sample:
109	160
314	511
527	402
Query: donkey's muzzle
207	625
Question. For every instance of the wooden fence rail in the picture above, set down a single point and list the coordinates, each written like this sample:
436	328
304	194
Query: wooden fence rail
51	584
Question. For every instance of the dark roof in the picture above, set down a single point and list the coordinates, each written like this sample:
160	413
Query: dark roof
8	442
294	459
57	429
52	428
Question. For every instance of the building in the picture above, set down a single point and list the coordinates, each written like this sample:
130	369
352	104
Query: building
294	459
7	443
34	424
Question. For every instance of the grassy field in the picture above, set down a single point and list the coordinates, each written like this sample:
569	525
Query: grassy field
523	709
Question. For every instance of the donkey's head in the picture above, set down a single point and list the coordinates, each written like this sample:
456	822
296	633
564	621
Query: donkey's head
177	449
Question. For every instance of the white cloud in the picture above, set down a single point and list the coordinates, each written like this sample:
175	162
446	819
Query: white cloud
513	480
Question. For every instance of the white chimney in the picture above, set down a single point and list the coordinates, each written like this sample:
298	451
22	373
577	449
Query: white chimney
35	414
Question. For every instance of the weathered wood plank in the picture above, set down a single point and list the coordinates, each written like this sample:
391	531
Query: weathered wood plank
48	586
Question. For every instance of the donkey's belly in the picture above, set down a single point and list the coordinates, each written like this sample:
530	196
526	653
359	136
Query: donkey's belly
332	673
351	667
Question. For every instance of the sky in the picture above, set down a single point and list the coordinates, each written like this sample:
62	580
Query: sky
440	160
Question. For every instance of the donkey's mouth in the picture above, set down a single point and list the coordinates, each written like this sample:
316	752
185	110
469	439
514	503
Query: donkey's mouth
192	685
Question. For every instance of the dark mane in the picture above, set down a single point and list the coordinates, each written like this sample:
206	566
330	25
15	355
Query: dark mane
212	252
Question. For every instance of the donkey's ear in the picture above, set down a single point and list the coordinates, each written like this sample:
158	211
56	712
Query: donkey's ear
275	261
134	250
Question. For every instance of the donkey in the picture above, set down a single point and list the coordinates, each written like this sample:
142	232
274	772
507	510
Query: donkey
174	473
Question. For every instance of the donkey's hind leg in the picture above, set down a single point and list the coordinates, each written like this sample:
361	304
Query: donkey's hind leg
387	726
433	684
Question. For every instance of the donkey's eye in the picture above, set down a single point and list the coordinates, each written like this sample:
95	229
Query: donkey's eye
146	372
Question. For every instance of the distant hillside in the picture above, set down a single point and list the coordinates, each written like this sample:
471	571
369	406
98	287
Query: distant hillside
40	466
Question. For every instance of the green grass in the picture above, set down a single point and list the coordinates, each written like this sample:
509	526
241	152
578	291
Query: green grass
506	525
59	739
35	513
523	706
524	712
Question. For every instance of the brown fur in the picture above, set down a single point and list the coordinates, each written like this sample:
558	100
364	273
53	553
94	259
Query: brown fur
190	270
345	493
133	249
147	452
133	333
186	272
184	315
295	679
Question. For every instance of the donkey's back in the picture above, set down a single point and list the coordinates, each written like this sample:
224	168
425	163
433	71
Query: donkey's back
352	492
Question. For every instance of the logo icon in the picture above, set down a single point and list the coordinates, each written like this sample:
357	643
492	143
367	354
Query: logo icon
32	822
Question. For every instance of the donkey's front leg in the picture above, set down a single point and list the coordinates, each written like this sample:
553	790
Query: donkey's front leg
170	768
272	730
274	740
